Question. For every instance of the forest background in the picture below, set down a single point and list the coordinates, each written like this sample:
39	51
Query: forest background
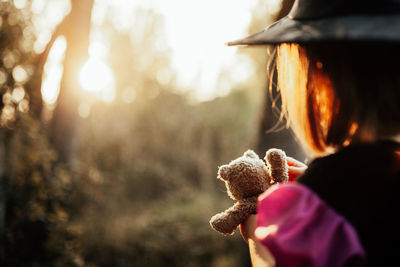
124	172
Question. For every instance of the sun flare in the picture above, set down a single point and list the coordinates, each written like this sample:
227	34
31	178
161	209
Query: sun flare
97	77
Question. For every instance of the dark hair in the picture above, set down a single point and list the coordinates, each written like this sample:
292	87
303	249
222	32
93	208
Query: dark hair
338	93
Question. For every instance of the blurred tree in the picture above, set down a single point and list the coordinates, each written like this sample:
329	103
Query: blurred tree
149	185
141	58
145	184
34	220
147	180
14	62
2	198
76	29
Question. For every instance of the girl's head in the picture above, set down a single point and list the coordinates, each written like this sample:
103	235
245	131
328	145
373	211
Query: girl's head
334	94
341	85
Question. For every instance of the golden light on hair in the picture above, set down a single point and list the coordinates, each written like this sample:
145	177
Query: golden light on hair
352	130
347	142
323	95
307	96
290	80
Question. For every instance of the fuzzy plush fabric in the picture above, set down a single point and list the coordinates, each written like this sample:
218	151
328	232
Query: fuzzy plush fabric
246	178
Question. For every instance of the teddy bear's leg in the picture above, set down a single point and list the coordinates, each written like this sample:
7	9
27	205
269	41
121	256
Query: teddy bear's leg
226	222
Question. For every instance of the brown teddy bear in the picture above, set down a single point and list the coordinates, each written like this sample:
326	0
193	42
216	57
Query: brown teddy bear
246	178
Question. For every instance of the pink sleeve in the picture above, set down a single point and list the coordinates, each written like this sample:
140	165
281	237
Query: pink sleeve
299	229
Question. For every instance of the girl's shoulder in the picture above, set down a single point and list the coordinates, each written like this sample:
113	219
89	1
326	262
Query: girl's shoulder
361	183
343	207
300	229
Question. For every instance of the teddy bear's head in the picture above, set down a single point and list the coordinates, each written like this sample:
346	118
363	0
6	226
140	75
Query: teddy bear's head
245	176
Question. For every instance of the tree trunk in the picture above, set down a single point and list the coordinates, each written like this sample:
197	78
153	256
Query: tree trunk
76	32
2	196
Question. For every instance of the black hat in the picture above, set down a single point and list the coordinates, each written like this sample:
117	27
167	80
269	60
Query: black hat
329	20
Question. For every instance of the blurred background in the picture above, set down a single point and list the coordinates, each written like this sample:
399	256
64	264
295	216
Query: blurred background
115	115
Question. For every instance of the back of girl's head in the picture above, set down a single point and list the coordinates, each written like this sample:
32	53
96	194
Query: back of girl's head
335	94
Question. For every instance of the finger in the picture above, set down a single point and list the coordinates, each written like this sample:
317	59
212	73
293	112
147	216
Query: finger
248	226
295	172
294	162
243	233
297	169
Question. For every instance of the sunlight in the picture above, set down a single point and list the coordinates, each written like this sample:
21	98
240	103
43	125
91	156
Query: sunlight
20	4
53	71
262	232
96	77
47	15
196	33
199	54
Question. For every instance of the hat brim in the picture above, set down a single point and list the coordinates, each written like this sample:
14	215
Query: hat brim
384	27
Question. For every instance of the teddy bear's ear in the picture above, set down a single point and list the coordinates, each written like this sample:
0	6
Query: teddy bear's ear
251	154
223	172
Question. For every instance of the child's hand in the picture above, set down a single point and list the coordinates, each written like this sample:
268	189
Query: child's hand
259	254
296	168
247	227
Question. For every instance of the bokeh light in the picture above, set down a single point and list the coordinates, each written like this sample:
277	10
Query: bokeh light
96	77
20	4
53	71
196	32
47	15
19	74
18	94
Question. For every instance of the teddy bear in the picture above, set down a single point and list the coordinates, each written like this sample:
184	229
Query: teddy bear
246	178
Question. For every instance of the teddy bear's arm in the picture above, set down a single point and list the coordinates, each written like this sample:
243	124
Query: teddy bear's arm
278	167
226	222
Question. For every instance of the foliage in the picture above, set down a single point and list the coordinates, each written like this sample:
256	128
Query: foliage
139	184
155	196
33	216
35	190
